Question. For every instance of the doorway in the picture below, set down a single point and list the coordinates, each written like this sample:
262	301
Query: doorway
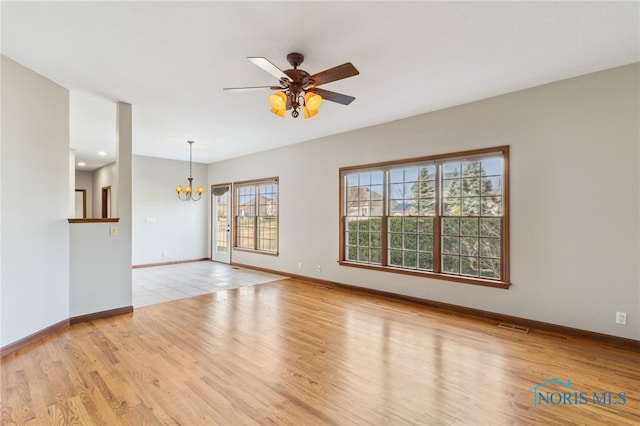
221	217
81	204
106	202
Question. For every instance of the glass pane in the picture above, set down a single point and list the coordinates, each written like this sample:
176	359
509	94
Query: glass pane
451	264
425	207
410	242
469	226
471	168
351	179
410	224
352	224
452	168
490	227
376	256
425	243
451	245
425	261
452	187
492	166
471	187
377	178
492	206
363	239
351	238
363	225
399	207
425	225
395	240
376	239
452	207
490	268
492	185
490	247
471	206
410	259
396	175
469	246
363	254
396	191
450	226
395	257
352	253
375	224
268	233
395	224
469	265
364	179
376	192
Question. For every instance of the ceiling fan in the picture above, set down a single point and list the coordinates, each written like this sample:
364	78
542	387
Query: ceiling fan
298	89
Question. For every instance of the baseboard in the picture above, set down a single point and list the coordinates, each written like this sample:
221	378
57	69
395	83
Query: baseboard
539	325
102	314
174	262
12	347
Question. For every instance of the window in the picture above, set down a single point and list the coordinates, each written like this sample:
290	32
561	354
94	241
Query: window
256	218
442	216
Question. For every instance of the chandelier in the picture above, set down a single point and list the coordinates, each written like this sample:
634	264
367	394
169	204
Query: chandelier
185	193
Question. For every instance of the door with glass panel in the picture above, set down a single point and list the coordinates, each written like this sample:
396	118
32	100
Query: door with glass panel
221	217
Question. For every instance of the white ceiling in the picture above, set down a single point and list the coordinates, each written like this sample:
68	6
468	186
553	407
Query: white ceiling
170	60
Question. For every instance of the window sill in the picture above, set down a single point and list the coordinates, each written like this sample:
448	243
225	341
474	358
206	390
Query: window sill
432	275
268	253
94	220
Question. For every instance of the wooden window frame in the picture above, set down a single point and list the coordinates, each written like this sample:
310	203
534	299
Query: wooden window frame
256	183
502	282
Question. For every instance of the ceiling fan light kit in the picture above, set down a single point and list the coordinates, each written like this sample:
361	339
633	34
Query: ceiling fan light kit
298	89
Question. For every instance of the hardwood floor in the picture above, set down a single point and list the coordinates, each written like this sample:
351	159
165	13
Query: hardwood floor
289	352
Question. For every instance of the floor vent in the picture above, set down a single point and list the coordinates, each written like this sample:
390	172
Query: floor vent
514	327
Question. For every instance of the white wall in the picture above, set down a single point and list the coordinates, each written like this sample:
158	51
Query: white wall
575	199
84	180
35	231
165	228
100	278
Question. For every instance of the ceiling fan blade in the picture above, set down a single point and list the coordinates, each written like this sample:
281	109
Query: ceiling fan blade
333	96
248	89
335	73
269	67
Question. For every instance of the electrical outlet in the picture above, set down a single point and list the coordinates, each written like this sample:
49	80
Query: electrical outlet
164	254
319	268
300	265
621	318
113	231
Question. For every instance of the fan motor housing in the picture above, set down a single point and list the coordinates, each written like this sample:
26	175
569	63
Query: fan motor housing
295	59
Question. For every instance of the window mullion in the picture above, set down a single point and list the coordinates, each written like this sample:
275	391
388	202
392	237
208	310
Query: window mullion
437	256
384	227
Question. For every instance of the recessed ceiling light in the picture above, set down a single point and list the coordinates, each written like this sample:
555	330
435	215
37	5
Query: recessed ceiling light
81	164
102	153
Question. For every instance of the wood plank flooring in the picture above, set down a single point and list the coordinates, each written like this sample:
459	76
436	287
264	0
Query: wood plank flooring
295	353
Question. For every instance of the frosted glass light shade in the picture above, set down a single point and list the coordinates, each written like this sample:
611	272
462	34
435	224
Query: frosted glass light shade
278	112
312	101
306	113
278	100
